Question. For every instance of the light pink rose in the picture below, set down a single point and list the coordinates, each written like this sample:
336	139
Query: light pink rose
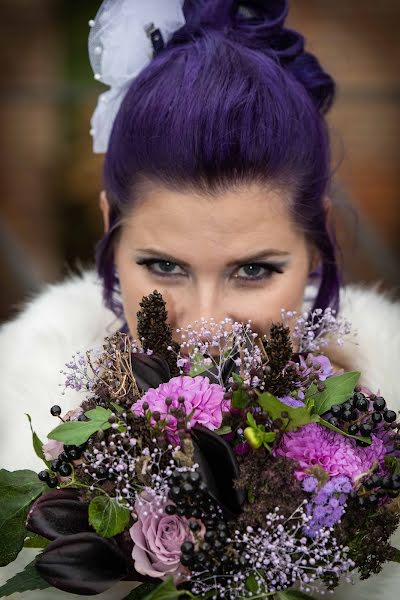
52	449
157	537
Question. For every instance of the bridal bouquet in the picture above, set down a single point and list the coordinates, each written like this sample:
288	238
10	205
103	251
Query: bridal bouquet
231	465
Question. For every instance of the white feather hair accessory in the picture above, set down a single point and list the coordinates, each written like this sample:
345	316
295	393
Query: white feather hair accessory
120	47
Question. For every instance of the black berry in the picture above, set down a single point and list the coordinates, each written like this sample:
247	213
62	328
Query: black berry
379	403
56	464
366	429
376	417
43	475
389	416
55	410
65	470
353	429
361	402
52	481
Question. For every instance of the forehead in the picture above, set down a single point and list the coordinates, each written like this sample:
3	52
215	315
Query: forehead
228	224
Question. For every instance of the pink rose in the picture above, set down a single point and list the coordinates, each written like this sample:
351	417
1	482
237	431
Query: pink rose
157	537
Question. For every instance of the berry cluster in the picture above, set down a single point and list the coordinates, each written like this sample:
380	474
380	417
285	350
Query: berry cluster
361	415
191	499
377	487
62	464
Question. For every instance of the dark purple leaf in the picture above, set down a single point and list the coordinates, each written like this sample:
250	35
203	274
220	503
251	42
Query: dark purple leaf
219	469
84	563
149	370
58	513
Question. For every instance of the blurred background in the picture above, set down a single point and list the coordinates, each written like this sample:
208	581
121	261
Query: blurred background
50	179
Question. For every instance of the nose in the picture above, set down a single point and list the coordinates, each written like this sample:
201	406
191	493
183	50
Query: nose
204	305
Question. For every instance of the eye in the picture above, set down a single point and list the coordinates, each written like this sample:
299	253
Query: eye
163	268
257	271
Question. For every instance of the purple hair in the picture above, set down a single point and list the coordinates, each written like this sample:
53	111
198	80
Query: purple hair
232	98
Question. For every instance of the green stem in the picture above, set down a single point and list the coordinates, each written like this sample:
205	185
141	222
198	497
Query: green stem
76	483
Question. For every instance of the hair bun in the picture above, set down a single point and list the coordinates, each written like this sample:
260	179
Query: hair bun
259	25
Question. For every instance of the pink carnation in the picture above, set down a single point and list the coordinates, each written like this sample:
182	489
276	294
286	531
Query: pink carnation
158	538
52	449
314	444
204	399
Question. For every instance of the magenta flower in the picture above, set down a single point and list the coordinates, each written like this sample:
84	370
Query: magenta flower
202	398
314	444
157	537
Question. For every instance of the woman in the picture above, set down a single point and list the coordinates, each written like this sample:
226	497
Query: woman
215	193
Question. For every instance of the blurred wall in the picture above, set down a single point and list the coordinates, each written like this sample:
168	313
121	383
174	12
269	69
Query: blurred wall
50	179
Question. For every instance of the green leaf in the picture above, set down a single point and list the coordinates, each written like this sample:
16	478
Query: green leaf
18	490
223	430
167	591
239	398
297	416
338	389
107	517
117	407
354	437
78	432
37	444
197	365
251	583
293	595
269	436
27	580
251	421
141	591
32	540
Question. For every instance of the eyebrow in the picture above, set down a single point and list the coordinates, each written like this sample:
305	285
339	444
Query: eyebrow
246	259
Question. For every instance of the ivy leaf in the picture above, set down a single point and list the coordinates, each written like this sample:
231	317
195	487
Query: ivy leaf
18	490
338	389
107	517
297	416
293	595
37	444
167	591
27	580
354	437
75	433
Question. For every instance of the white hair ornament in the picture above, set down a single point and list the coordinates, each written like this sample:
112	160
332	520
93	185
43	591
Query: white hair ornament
122	41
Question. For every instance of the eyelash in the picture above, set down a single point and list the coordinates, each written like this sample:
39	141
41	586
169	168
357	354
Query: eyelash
270	269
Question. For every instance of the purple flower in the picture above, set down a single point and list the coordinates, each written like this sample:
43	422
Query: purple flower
327	506
309	484
325	368
290	401
242	449
314	445
157	537
204	401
